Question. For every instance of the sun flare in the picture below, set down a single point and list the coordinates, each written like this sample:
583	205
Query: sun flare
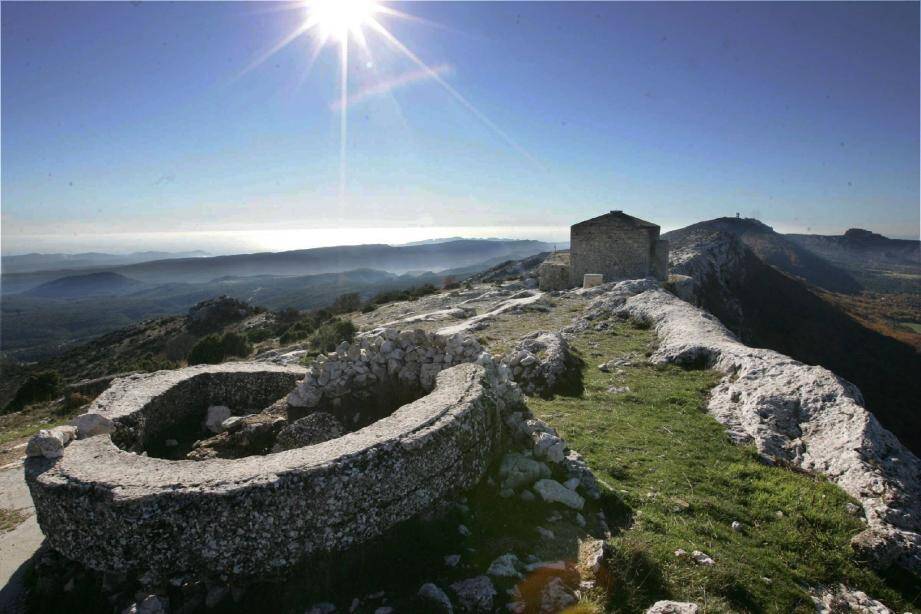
340	23
337	19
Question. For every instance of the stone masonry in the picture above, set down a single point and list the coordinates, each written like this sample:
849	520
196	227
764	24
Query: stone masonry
113	508
616	246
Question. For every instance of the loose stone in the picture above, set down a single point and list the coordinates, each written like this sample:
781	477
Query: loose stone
434	599
552	491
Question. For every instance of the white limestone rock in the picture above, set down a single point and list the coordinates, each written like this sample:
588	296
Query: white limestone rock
804	415
539	361
702	559
556	596
215	417
90	424
592	554
552	491
517	470
50	443
835	600
549	447
673	607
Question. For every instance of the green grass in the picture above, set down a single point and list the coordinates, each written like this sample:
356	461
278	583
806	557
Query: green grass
677	482
31	420
503	333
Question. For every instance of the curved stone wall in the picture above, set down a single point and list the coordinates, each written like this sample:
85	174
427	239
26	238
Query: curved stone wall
114	510
364	380
143	408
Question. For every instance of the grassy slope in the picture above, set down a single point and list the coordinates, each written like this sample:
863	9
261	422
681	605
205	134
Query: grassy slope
679	483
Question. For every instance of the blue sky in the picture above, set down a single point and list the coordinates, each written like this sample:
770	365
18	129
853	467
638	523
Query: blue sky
136	125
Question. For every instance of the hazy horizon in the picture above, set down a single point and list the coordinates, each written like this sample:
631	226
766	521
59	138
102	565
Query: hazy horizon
177	126
227	242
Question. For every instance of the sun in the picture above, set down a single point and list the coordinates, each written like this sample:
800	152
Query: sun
336	19
340	23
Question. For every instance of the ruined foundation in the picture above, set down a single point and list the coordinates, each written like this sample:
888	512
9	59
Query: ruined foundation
117	510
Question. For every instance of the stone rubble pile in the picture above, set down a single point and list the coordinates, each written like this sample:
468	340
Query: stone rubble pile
240	436
837	599
541	442
411	357
539	361
800	414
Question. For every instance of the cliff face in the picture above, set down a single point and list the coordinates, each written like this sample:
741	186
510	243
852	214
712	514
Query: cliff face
766	308
774	249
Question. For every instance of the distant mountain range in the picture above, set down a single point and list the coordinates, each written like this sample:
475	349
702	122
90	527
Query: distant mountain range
45	312
862	247
394	259
27	263
83	286
877	263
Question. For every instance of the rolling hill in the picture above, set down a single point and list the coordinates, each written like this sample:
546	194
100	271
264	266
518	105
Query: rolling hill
82	286
393	259
878	263
27	263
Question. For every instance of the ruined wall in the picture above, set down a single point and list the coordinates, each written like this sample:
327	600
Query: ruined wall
553	273
660	262
615	249
113	510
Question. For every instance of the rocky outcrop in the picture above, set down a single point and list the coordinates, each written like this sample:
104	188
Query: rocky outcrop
539	362
768	308
519	302
243	436
50	443
803	415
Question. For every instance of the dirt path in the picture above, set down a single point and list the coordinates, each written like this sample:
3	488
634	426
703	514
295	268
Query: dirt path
16	546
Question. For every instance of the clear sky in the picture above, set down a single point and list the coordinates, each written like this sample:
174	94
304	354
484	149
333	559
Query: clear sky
146	125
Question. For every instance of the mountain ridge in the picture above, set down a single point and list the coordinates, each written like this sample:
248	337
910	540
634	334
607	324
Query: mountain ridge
428	257
767	307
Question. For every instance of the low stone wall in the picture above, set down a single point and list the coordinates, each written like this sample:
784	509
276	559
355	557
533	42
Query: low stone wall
143	408
366	379
119	511
539	362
